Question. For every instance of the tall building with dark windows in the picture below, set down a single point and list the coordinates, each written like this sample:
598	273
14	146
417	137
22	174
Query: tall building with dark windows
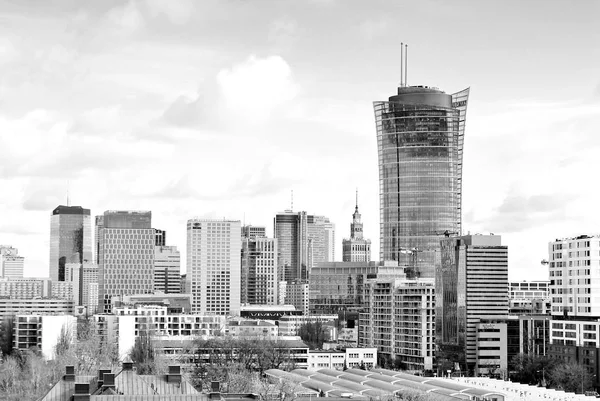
70	234
303	241
125	255
420	145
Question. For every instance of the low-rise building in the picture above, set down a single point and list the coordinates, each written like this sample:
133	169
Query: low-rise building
491	349
289	325
339	359
249	328
24	288
42	306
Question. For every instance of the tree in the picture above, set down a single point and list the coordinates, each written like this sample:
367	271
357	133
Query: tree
6	336
65	339
142	354
313	334
571	377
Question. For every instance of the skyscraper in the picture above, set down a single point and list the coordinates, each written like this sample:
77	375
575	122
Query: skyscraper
303	240
420	145
167	274
356	248
70	234
259	281
213	266
125	255
470	286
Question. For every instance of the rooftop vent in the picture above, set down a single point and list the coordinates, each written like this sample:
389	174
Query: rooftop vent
109	380
174	375
69	374
101	373
82	392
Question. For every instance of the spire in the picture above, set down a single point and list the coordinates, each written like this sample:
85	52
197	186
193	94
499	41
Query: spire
356	207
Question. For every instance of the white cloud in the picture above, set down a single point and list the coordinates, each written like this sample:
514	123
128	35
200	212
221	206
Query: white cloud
127	17
257	87
178	12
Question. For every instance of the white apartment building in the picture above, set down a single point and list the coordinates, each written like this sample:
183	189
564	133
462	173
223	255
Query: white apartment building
252	328
259	271
214	266
25	288
63	290
351	357
43	331
167	269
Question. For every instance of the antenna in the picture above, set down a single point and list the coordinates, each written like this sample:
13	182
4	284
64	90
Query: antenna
401	64
292	209
405	65
357	198
68	202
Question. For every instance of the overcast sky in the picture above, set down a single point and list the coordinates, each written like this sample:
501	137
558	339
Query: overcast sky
221	108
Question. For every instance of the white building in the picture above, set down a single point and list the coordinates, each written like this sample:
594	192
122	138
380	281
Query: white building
289	325
11	264
167	269
259	271
63	290
213	266
252	328
43	331
42	306
25	288
492	349
351	357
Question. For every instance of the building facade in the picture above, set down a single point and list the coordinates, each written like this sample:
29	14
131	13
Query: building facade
339	286
356	248
471	285
25	288
420	135
42	306
70	238
400	322
167	269
125	255
11	264
213	266
529	298
253	231
259	283
349	358
303	241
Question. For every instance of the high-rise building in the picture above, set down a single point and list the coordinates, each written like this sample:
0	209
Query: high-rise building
125	255
84	278
213	266
420	145
356	248
167	275
259	281
303	240
471	286
11	264
70	234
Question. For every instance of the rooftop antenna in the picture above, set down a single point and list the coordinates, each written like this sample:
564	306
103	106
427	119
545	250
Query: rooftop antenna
292	204
68	201
405	65
401	64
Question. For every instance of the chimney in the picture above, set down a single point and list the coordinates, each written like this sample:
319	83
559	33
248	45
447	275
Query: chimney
82	392
109	380
215	386
127	365
101	373
69	374
174	375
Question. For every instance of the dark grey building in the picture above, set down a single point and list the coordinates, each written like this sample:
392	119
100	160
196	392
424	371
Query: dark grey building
70	239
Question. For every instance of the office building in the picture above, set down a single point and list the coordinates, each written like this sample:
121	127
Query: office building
420	146
297	294
62	290
43	306
529	298
43	332
399	322
252	328
289	325
356	248
339	286
213	266
303	241
11	264
25	288
260	280
471	285
175	303
349	358
84	279
167	274
70	234
125	255
253	231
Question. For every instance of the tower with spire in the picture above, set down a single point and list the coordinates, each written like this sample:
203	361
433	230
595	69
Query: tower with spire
356	248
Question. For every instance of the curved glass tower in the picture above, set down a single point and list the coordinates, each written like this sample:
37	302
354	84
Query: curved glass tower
420	144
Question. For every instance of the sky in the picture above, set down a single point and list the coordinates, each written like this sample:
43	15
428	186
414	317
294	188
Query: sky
219	109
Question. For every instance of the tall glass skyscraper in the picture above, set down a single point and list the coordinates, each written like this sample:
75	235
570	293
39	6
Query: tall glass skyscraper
70	239
420	145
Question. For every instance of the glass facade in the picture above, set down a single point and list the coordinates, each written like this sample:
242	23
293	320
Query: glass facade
420	142
70	238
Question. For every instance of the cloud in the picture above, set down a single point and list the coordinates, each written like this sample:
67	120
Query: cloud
178	12
374	28
127	17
